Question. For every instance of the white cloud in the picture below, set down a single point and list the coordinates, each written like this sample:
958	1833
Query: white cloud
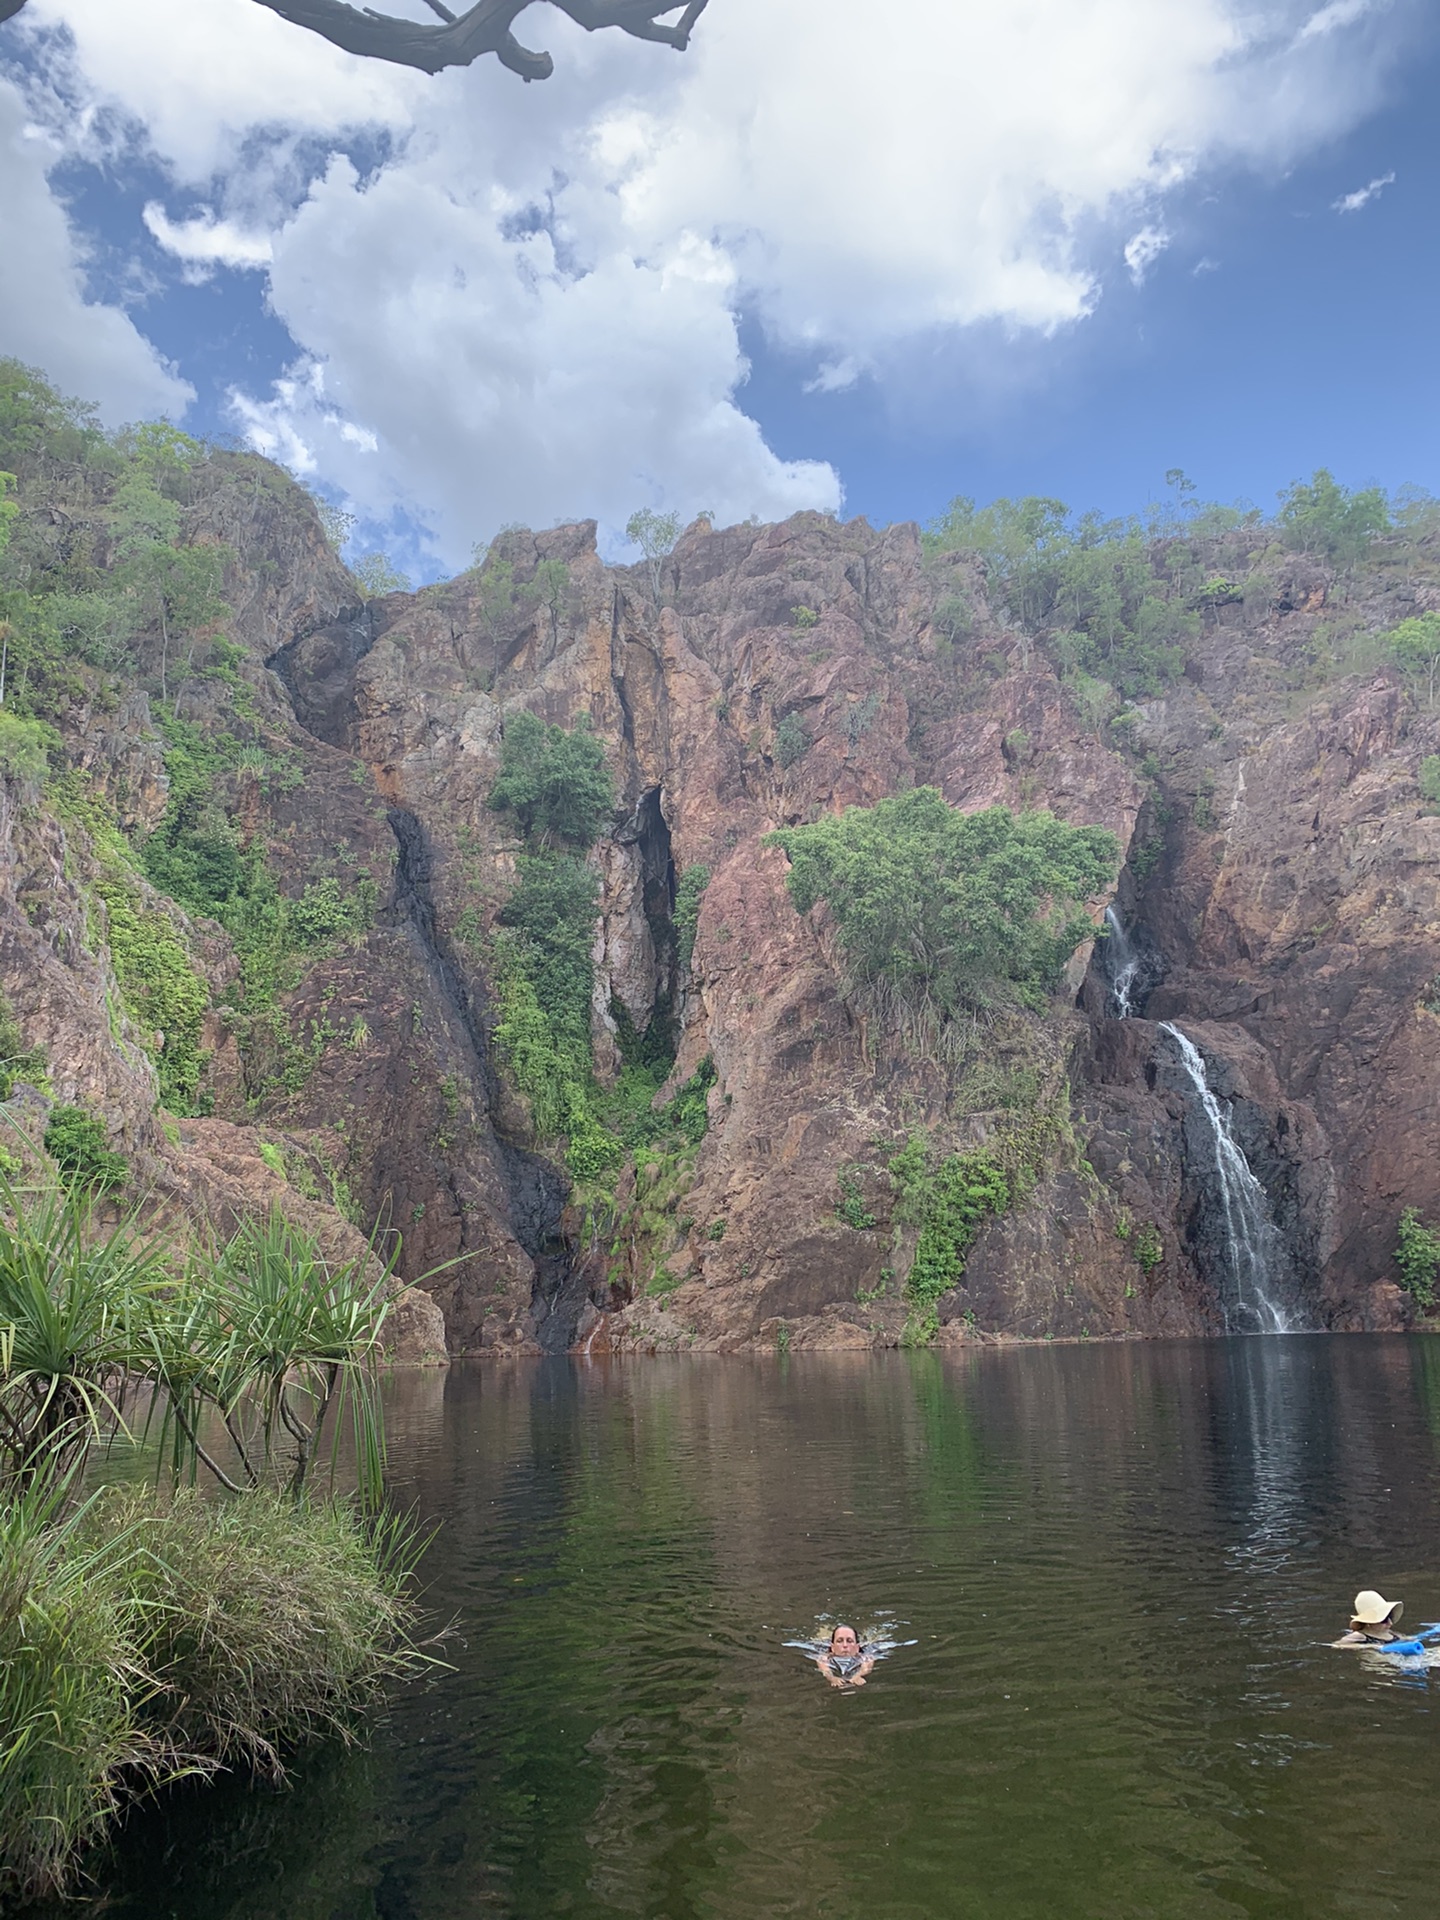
1142	250
46	320
497	384
202	75
1362	196
531	306
204	242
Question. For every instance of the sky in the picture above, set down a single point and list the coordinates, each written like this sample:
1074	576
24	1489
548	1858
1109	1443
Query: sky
1049	246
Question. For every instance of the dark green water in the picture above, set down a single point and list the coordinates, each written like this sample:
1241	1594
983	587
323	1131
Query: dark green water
1118	1564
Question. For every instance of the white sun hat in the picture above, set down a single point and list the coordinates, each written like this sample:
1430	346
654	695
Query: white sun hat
1371	1609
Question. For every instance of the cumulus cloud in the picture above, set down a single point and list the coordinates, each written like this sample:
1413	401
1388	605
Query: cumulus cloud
529	303
45	317
1362	196
500	384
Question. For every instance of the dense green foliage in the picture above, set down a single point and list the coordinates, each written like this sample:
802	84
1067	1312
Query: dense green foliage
1417	1255
552	911
200	859
113	582
559	789
555	783
1091	583
945	908
162	990
24	747
948	1201
80	1147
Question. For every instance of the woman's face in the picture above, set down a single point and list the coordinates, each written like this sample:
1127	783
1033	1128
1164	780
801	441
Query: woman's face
843	1642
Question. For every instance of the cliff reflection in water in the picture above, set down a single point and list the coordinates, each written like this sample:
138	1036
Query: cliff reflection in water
1118	1563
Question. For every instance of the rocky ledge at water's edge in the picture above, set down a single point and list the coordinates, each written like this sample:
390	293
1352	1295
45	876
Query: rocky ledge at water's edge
1281	876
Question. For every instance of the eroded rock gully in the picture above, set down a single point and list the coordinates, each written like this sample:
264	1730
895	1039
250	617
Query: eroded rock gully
1282	886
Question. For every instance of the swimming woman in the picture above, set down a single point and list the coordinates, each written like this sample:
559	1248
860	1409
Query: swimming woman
1373	1622
845	1663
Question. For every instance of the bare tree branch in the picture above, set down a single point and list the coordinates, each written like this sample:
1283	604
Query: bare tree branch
463	38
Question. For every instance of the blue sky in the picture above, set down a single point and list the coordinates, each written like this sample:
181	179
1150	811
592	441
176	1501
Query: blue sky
1314	340
927	306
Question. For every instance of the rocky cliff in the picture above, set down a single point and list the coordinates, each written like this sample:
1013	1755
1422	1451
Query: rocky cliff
1279	898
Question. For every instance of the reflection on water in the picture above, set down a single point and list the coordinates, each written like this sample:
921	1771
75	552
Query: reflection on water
1117	1567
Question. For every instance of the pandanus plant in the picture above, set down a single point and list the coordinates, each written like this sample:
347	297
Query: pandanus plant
270	1336
242	1355
72	1300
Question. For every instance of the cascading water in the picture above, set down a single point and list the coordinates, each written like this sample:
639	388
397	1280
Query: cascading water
1123	964
1253	1243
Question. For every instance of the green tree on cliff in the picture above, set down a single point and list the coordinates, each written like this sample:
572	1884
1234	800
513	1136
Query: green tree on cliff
1415	648
950	909
555	783
1320	516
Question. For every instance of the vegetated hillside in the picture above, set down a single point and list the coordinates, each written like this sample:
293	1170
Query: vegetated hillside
481	908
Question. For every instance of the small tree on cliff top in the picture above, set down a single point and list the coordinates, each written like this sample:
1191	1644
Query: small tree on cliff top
950	909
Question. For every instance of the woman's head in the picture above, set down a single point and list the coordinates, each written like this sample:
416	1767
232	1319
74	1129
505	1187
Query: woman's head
1373	1612
844	1640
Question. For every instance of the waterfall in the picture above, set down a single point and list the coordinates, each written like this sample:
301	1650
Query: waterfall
1252	1242
1122	965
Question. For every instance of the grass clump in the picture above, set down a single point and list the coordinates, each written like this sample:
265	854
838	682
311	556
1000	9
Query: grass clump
266	1624
71	1668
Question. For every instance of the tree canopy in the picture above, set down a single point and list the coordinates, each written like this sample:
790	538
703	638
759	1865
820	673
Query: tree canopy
946	907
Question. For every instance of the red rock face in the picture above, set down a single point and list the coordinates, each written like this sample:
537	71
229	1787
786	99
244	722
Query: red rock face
691	697
1282	879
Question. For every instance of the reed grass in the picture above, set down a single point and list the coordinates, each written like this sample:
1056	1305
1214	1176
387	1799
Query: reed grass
267	1624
